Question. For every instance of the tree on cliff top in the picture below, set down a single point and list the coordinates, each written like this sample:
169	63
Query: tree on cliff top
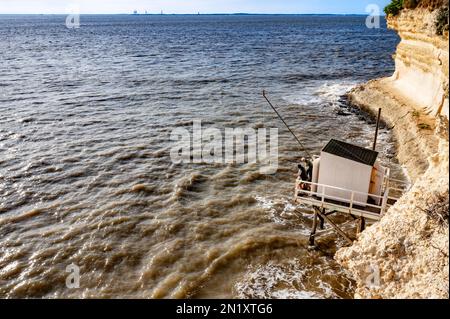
393	8
396	6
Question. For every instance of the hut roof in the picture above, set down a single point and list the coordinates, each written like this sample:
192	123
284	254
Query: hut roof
351	152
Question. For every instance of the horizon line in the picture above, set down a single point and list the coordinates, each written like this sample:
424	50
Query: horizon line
196	14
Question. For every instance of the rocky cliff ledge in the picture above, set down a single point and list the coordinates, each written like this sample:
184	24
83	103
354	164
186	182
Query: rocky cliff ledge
406	254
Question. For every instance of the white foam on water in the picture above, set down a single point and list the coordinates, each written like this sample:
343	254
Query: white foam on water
305	98
332	92
282	212
289	294
283	281
327	92
269	206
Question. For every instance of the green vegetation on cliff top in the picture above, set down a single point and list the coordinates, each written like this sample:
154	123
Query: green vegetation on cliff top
396	6
441	23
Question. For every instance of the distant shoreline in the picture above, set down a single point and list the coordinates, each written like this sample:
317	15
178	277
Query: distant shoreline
189	14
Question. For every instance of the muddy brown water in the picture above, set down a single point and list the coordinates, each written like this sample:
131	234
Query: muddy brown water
85	172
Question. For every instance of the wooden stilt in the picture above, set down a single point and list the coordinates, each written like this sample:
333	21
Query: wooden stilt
361	225
322	221
313	229
328	220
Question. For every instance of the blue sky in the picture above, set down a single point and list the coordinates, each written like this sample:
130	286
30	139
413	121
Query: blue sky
193	6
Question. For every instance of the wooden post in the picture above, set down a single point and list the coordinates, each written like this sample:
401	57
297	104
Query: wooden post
376	131
322	221
314	228
340	232
384	202
351	202
361	225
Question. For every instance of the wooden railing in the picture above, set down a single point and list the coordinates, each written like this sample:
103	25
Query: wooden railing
352	203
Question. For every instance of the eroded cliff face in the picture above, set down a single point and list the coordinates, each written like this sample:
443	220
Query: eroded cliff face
406	254
421	60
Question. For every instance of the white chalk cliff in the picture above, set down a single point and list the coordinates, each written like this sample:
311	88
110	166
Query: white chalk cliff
405	255
421	60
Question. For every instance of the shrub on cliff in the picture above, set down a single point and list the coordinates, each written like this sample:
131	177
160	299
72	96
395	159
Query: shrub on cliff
437	209
396	6
442	21
393	8
410	4
433	4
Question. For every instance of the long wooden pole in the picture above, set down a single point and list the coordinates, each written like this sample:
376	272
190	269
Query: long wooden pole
281	118
377	129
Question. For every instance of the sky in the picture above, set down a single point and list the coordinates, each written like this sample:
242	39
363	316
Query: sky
188	6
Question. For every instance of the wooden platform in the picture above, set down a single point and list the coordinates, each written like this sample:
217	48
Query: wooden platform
341	208
325	205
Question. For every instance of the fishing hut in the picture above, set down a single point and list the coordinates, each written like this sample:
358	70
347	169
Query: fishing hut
345	179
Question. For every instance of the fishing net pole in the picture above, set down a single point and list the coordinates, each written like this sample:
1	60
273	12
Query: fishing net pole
303	148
